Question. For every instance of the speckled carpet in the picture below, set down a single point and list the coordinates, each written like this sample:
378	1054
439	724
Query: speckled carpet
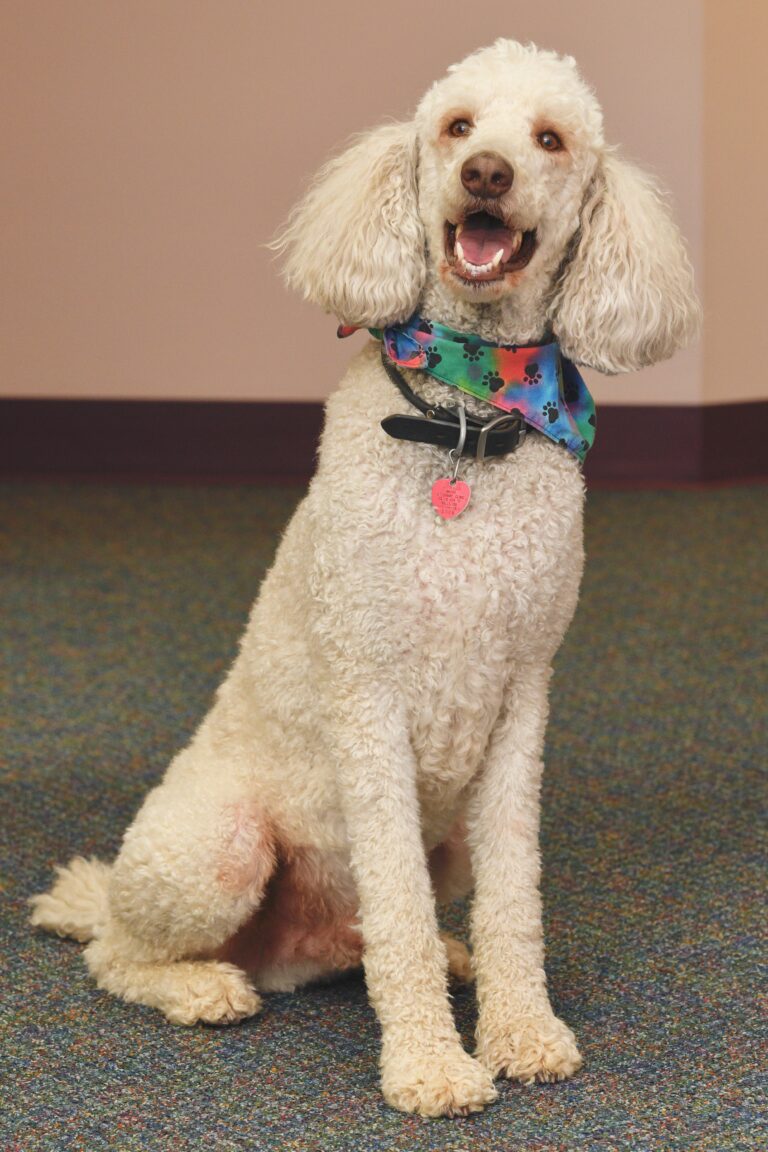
121	606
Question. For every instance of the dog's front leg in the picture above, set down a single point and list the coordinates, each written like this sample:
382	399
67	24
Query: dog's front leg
518	1034
424	1067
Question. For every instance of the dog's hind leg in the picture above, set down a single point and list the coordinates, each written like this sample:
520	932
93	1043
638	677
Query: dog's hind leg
193	867
185	991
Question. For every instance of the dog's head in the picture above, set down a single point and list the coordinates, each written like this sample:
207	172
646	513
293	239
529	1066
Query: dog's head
500	192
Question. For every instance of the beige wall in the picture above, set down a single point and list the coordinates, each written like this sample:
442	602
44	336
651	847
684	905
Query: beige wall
736	197
150	147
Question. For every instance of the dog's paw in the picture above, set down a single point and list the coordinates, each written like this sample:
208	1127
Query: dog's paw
459	959
538	1048
210	993
448	1082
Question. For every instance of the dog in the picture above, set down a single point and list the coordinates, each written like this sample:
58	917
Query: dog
376	748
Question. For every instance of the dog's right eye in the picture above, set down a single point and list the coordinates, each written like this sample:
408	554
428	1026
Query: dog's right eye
460	128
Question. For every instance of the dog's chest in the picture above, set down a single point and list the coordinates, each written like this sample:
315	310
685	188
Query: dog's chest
453	608
439	614
476	592
474	614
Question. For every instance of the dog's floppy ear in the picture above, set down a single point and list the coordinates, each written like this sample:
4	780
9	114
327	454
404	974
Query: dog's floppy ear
626	298
355	243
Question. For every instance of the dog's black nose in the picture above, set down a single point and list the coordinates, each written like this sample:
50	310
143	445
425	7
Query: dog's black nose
486	175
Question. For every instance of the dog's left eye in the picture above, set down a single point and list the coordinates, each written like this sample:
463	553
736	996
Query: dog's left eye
460	128
550	141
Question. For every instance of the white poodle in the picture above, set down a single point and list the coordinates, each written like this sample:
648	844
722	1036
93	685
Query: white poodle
376	747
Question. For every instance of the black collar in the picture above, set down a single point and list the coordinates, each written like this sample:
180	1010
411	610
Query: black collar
440	426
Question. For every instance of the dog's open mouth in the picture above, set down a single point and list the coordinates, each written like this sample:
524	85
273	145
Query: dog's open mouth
482	248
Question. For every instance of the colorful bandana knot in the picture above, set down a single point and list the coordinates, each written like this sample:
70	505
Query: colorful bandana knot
534	381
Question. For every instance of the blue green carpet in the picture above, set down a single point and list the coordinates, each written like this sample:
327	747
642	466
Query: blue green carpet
122	606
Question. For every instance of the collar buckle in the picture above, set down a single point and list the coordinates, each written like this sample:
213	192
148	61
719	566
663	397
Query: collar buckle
497	421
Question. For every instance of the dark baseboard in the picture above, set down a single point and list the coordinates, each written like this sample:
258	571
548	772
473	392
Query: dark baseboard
159	438
244	440
680	444
735	439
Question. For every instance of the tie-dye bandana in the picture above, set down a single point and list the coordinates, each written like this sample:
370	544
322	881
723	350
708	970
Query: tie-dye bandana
537	381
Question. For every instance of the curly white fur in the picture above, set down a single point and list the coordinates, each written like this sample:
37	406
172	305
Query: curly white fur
626	299
357	261
377	744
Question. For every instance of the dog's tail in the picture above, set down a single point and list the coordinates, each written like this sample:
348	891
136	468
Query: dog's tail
78	903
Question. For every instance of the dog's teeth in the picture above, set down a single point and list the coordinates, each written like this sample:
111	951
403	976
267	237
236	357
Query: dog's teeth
459	230
516	244
474	269
459	249
497	259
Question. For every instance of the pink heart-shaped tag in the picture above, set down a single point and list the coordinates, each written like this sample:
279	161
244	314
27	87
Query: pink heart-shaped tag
450	497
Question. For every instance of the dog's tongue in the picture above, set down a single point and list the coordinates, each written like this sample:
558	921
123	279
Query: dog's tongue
482	236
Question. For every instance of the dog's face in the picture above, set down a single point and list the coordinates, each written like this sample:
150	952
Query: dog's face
500	192
508	146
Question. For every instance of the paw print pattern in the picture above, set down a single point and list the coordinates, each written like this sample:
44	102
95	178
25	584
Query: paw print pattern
551	412
531	374
433	357
592	420
570	392
472	352
492	381
424	326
